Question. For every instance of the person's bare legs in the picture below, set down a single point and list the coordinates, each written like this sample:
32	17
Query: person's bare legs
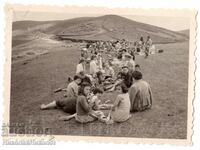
109	119
66	118
48	106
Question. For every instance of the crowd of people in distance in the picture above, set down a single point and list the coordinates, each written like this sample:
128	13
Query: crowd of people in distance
106	67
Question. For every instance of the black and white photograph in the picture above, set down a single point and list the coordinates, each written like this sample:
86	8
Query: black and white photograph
102	74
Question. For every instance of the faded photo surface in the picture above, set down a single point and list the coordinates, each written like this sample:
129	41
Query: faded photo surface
101	73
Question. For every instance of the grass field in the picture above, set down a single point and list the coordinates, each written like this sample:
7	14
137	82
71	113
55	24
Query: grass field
33	83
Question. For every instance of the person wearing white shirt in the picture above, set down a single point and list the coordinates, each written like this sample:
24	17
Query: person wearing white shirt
93	66
130	62
81	66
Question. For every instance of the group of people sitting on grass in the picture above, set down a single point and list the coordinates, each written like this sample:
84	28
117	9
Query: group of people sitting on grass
83	98
139	47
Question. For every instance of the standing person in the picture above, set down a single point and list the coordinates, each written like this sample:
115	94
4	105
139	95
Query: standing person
141	44
140	93
120	110
81	66
69	104
142	40
93	66
148	46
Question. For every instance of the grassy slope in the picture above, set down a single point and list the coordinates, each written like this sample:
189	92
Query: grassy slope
33	84
105	27
185	32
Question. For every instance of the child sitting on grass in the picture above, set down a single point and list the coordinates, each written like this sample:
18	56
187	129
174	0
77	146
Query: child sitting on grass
95	106
120	109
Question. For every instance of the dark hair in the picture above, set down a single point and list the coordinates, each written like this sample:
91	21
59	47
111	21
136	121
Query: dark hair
124	50
97	90
82	87
81	74
123	86
99	74
137	65
76	77
81	60
124	67
133	57
137	75
92	57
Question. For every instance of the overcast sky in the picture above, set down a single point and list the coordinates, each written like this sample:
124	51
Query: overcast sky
172	23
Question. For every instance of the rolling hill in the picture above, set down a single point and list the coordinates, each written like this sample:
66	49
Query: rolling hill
185	32
108	27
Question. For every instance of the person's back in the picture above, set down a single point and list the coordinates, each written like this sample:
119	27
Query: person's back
122	111
125	104
143	88
140	96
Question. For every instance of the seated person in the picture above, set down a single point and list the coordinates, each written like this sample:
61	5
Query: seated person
103	82
93	66
137	67
94	103
81	66
140	93
120	109
130	62
85	78
100	78
83	107
125	76
69	104
109	71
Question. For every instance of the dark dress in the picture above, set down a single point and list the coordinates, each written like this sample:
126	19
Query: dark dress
68	105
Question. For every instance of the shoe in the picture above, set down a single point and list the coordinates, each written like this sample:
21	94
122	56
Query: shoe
42	107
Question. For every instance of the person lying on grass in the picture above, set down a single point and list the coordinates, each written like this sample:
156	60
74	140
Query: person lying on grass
120	109
94	106
68	104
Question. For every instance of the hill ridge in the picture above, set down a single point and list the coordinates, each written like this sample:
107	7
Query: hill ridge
106	27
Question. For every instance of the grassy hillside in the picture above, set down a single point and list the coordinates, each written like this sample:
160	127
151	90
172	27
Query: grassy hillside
108	27
185	32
